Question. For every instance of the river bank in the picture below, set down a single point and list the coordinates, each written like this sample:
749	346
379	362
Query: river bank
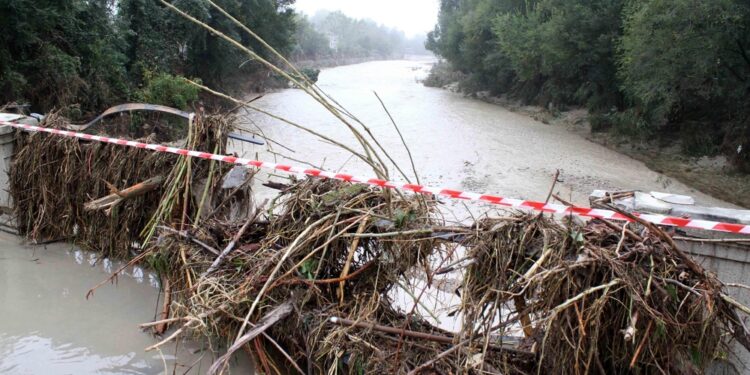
711	175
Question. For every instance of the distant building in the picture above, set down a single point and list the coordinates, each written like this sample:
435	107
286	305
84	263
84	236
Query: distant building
333	41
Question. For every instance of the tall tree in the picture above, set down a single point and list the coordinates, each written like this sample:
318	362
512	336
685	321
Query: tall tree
159	39
564	50
310	44
644	67
59	52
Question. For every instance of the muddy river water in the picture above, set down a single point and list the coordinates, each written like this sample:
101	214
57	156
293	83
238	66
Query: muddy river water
47	326
456	142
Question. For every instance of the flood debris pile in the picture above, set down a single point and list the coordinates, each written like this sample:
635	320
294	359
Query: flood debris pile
329	249
103	196
305	285
596	297
305	282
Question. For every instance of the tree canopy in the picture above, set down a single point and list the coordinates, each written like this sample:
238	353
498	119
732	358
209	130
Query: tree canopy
644	68
95	53
60	52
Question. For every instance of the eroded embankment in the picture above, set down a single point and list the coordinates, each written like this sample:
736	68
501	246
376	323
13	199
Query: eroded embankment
713	176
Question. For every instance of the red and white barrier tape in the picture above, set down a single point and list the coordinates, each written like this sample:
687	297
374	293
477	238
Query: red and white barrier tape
455	194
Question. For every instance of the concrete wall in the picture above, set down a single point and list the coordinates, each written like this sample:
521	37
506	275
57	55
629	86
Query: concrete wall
7	149
6	153
731	263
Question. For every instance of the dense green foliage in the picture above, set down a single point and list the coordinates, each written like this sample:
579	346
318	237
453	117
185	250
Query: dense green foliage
167	90
55	52
643	67
158	39
685	65
95	53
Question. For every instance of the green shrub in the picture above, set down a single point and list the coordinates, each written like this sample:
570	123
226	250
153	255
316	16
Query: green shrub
600	122
629	123
699	138
442	74
311	74
169	90
12	85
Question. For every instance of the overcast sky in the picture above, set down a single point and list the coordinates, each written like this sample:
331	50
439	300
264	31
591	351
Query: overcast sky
410	16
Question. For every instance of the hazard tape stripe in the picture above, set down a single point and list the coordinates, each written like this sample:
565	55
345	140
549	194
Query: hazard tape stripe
418	189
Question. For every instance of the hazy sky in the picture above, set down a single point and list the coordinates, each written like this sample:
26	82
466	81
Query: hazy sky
411	16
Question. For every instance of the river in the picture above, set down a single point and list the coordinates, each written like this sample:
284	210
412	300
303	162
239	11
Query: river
47	326
456	142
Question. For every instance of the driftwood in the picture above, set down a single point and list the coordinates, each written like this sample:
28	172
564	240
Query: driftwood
162	327
185	234
601	294
275	315
117	196
233	243
509	343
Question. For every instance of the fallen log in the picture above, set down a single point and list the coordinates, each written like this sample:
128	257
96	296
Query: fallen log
117	196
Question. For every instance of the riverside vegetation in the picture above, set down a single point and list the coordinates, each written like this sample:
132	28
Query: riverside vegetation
646	70
86	55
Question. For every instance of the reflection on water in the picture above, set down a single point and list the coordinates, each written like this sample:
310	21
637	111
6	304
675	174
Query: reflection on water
34	354
47	326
